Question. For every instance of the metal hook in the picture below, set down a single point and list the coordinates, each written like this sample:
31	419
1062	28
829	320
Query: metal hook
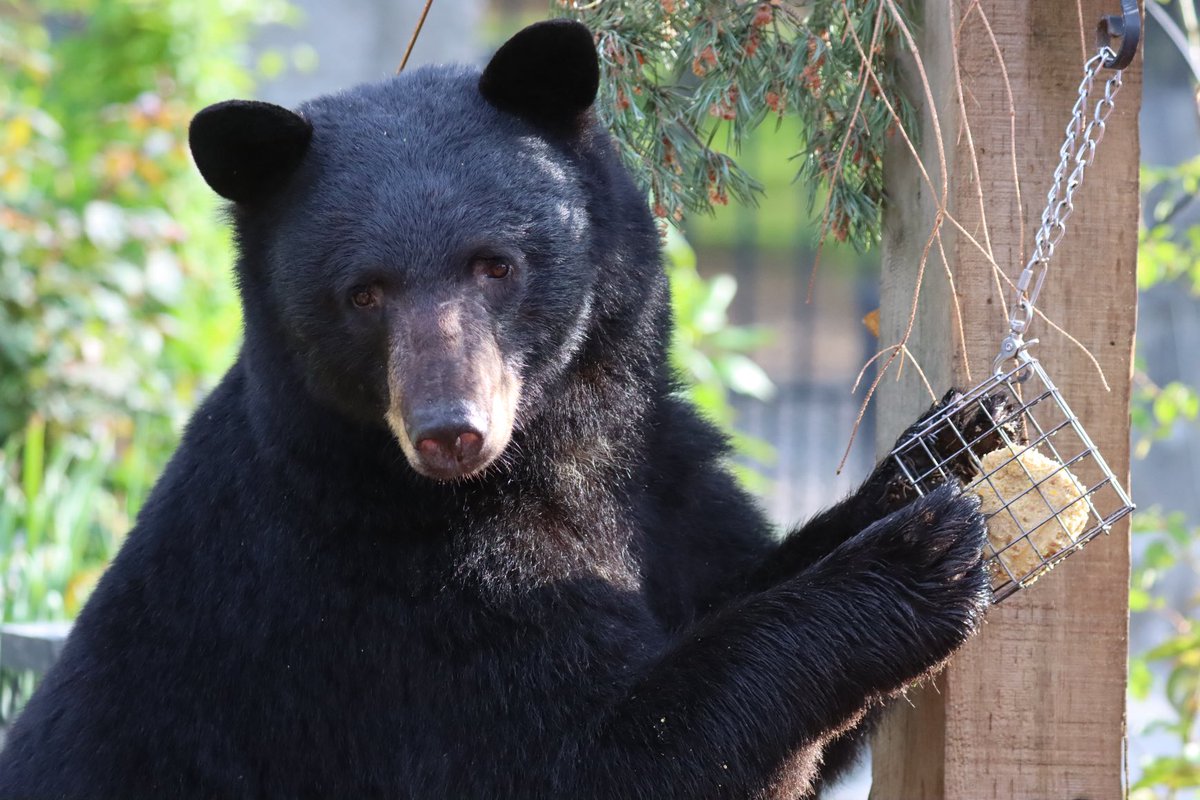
1013	347
1127	27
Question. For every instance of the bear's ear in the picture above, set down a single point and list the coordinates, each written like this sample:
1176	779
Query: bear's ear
547	73
245	149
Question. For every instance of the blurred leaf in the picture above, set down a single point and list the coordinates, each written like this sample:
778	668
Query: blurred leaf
1182	683
1139	600
1174	647
271	64
1140	678
304	58
1169	772
745	377
710	354
1158	555
33	457
871	320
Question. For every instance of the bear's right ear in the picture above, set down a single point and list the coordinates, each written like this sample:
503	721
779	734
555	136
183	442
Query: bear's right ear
245	149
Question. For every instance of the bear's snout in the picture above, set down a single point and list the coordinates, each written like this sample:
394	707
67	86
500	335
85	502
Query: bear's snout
453	399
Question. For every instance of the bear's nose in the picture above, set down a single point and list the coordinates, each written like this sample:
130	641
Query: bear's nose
451	442
449	445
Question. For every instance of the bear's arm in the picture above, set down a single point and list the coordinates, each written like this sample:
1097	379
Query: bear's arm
709	542
778	674
808	542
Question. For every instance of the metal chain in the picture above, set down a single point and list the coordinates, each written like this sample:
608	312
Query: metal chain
1077	151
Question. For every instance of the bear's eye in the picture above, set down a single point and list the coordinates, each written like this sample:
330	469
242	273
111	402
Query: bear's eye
496	268
364	297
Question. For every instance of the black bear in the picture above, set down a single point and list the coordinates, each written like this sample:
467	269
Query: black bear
446	529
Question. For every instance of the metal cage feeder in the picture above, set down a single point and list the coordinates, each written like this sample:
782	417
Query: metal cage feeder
1046	489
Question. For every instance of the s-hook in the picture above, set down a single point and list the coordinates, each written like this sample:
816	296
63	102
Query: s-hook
1127	27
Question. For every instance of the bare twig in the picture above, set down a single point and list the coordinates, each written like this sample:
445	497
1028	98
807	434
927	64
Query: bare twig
1012	126
962	107
884	352
917	366
929	98
413	39
958	315
1055	326
935	233
1177	36
1083	48
1037	311
900	349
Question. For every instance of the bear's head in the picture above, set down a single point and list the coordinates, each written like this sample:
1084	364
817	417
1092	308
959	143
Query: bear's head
433	253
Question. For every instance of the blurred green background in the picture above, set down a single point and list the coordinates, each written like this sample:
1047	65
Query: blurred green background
117	310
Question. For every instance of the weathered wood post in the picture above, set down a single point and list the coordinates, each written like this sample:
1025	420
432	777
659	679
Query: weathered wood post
1035	706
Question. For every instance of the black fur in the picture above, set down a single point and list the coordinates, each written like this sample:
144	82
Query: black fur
600	613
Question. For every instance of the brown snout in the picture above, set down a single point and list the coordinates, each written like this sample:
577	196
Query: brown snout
452	397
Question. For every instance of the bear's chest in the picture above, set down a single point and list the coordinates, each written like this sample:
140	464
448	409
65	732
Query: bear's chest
439	696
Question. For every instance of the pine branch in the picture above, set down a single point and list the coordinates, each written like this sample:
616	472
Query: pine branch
686	81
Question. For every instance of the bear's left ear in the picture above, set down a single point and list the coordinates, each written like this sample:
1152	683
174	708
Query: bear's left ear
245	148
547	73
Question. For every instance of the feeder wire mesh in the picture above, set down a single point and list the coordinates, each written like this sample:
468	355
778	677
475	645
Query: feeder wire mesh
1046	489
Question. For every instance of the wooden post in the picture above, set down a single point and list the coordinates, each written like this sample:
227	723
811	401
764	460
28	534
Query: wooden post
1034	707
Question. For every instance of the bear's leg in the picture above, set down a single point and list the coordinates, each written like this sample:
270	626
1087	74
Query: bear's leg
787	669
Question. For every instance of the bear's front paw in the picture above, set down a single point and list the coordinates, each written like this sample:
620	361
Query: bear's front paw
984	425
925	566
978	427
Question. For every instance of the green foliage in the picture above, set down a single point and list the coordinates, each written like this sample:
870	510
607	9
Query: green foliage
1170	546
116	307
783	224
677	75
58	523
710	355
1157	409
98	194
1167	255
